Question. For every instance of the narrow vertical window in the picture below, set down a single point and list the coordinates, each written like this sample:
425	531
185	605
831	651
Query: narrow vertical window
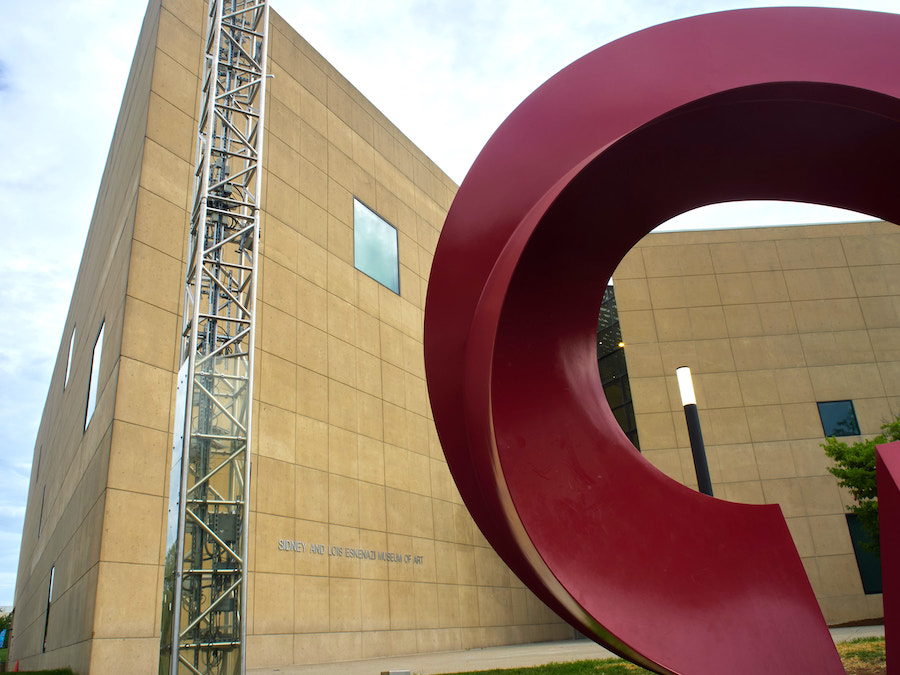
613	370
37	471
41	517
69	357
375	249
95	376
47	613
868	562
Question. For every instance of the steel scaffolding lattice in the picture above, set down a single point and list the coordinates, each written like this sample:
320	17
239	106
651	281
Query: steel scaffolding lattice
205	592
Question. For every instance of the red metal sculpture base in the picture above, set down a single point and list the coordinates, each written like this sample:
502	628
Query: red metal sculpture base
887	465
790	103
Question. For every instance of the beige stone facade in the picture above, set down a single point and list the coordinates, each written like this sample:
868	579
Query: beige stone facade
771	322
345	451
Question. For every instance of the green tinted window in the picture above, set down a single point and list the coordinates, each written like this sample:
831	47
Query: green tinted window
838	418
375	247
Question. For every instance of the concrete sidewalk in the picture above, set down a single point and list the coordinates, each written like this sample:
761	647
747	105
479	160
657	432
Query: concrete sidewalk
512	656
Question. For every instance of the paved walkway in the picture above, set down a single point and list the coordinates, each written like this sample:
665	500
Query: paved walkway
511	656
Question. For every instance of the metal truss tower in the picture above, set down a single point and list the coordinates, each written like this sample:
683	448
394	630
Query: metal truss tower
205	594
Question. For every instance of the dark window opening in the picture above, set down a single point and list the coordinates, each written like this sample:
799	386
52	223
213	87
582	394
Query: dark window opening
868	563
41	516
613	369
47	613
838	418
37	471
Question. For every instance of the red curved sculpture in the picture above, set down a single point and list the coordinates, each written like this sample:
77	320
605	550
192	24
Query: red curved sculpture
786	103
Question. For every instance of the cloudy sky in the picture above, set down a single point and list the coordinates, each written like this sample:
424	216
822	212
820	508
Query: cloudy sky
447	73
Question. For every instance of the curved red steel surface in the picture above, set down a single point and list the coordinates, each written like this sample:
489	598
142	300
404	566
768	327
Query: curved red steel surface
786	103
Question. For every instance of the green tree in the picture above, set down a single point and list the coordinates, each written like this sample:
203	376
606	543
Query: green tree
855	470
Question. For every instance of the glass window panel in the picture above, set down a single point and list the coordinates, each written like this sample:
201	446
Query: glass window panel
626	387
838	418
612	366
47	612
95	376
609	339
605	317
375	251
868	563
69	358
625	417
608	313
615	394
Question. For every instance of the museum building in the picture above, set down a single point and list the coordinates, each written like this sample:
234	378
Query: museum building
360	545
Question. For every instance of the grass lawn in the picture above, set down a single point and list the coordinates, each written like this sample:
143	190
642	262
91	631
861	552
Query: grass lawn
863	656
592	667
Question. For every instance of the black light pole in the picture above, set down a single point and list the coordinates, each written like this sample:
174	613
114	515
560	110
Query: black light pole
689	401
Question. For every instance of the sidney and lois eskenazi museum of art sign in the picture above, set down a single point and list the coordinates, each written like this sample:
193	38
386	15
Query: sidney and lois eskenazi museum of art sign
312	548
